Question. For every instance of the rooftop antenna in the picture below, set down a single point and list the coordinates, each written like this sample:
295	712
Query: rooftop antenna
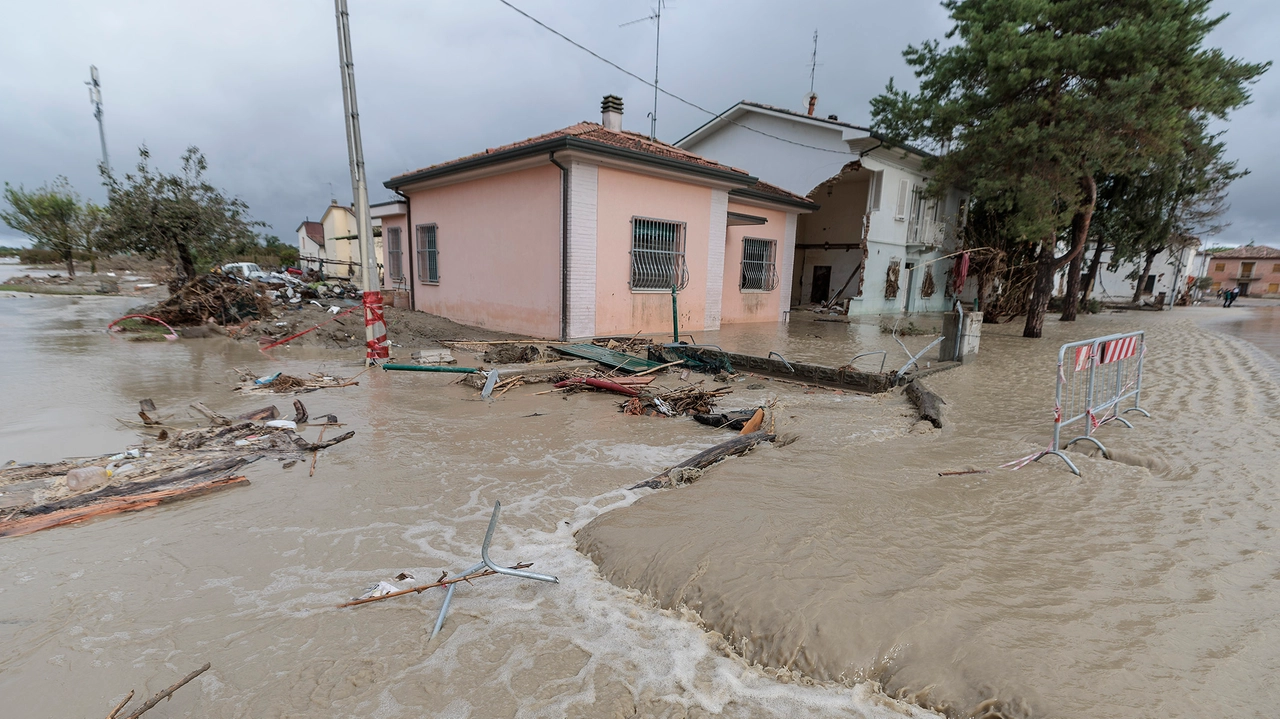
95	98
812	97
656	17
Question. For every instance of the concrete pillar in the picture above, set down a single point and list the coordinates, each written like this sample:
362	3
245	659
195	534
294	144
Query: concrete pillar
967	336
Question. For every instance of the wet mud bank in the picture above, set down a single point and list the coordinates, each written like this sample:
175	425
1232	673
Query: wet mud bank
1138	589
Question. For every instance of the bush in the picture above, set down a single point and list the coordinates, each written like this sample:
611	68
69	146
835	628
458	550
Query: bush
35	256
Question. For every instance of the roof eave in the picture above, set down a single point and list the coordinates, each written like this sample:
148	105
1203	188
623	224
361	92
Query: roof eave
570	143
760	196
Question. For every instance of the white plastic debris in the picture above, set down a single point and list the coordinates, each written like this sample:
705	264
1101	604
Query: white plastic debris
379	589
282	424
334	309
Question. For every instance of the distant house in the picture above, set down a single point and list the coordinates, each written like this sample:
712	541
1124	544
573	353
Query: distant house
390	217
1171	272
331	245
1253	269
586	230
877	239
311	245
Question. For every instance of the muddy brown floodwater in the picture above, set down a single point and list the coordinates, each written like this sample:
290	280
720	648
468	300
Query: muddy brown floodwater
767	589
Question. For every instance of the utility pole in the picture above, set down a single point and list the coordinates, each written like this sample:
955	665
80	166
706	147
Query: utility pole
656	16
95	98
374	325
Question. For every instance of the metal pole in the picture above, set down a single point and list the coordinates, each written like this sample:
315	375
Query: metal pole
675	317
95	97
360	189
653	120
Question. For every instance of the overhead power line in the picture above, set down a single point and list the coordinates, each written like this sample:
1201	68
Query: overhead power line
673	96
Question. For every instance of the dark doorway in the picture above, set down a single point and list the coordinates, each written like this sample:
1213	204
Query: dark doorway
821	283
1244	288
1150	286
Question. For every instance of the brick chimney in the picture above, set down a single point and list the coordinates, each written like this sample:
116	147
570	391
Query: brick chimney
812	99
611	112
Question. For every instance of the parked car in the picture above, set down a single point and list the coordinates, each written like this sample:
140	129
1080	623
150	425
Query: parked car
244	270
251	271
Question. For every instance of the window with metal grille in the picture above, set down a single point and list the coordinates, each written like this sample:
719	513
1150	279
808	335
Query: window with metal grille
395	255
758	270
428	260
657	255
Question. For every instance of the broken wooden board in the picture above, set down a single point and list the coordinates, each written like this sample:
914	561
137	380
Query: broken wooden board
113	505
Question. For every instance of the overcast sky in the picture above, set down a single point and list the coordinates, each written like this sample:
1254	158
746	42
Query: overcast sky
256	86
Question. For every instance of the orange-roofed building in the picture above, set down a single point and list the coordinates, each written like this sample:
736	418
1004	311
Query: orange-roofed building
583	232
1254	269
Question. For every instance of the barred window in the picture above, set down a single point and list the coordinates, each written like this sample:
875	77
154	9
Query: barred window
758	270
395	255
428	260
657	255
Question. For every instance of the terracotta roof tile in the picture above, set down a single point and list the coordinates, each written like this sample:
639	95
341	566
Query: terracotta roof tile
766	188
597	133
1255	252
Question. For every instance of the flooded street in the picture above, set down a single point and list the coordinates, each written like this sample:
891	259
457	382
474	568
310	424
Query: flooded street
1146	587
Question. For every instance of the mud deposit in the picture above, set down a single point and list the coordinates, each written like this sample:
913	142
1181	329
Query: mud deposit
1144	588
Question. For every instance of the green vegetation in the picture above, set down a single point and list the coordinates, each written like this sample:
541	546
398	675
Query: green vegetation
181	217
55	218
1033	100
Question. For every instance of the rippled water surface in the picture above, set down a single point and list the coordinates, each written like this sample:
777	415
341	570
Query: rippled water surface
1126	592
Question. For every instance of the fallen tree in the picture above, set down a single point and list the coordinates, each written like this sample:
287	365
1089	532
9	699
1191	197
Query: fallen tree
691	468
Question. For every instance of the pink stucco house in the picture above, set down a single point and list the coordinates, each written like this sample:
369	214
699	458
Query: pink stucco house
583	231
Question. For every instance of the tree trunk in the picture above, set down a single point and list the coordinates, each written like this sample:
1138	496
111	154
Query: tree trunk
187	262
1092	275
1071	298
1042	290
1079	234
1146	272
69	258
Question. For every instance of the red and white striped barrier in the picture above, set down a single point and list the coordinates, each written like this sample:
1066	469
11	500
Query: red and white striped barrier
1104	374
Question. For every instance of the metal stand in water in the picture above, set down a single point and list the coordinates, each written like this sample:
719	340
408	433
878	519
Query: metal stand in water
486	564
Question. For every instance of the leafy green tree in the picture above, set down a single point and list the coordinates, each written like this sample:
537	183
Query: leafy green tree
1033	99
52	216
1170	205
181	217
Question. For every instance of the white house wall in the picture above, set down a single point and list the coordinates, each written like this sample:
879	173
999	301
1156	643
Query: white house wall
791	167
1171	270
802	169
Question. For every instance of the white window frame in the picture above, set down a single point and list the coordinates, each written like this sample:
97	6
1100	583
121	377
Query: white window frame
427	251
767	274
654	268
904	193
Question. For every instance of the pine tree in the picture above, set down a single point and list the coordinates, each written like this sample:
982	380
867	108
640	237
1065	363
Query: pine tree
1033	99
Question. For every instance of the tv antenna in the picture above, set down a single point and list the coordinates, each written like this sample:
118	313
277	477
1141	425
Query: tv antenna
813	61
95	98
656	17
812	98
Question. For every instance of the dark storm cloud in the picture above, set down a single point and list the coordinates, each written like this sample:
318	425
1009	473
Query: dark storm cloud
255	85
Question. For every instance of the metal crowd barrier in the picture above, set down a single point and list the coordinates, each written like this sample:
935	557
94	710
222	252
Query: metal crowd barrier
1096	379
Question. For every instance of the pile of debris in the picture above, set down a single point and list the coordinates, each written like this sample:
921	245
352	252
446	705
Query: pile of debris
690	399
174	462
281	383
217	297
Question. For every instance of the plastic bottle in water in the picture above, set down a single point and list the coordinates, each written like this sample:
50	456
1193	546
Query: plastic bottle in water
87	478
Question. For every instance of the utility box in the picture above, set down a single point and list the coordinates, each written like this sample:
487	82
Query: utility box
962	333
